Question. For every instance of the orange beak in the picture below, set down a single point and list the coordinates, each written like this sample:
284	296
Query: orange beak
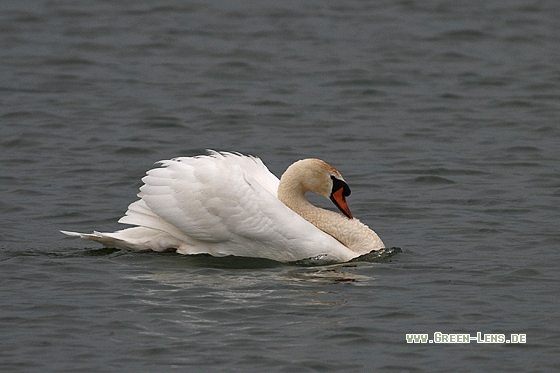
339	199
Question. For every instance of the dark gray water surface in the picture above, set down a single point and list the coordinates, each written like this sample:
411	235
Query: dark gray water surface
441	115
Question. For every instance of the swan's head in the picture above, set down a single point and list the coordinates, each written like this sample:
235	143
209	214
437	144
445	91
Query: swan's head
319	177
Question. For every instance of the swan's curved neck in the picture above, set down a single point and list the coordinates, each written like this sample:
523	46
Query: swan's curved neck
332	223
295	182
291	191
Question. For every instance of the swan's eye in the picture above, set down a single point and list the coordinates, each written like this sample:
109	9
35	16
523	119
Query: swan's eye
337	184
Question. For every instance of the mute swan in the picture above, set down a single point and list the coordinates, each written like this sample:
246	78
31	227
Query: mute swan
230	204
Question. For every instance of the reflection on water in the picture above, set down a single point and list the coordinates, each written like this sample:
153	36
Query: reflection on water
226	273
229	276
327	275
238	282
214	287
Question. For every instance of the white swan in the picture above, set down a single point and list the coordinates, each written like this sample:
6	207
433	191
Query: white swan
230	204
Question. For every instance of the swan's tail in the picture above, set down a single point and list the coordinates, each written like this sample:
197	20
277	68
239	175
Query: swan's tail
136	238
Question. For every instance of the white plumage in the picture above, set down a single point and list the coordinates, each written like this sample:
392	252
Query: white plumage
227	204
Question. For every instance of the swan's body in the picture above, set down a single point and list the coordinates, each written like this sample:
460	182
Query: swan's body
230	204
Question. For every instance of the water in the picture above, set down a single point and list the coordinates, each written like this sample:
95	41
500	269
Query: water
441	115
